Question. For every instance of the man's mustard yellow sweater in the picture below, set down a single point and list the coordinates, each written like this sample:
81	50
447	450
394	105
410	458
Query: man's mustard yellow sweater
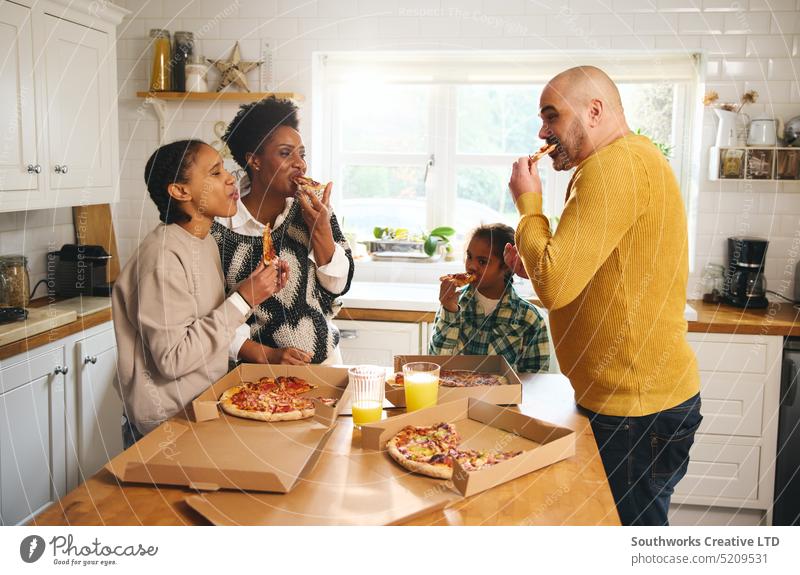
613	278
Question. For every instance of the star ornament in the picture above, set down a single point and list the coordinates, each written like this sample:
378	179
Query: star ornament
234	70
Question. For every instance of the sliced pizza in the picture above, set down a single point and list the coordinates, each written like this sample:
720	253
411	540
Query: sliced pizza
269	247
269	399
458	378
543	151
431	451
460	279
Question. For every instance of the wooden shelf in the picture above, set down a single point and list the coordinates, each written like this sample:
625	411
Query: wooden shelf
219	96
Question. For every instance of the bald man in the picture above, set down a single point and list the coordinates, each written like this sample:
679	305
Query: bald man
613	278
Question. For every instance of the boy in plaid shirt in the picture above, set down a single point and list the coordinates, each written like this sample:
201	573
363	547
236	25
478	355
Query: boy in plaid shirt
488	317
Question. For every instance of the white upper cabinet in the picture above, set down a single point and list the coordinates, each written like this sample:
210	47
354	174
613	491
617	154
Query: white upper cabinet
78	95
20	156
58	108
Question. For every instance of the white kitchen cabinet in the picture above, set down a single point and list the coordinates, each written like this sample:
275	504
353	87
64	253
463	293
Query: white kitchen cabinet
732	463
60	420
33	453
79	111
58	104
20	156
377	342
99	404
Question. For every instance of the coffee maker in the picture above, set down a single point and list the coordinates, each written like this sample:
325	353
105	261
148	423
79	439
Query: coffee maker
745	285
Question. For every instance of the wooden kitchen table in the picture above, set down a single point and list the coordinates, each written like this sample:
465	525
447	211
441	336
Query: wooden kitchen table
572	492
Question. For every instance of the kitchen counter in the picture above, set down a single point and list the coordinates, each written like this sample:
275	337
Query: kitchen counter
572	492
416	302
777	319
407	302
81	324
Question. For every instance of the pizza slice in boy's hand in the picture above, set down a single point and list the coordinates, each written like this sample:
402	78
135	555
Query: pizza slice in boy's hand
460	280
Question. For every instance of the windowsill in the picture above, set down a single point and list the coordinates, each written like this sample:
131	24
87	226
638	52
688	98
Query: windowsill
367	270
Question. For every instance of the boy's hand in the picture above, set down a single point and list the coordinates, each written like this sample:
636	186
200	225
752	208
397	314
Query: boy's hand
448	296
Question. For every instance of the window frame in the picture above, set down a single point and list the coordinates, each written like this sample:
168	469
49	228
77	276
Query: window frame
440	189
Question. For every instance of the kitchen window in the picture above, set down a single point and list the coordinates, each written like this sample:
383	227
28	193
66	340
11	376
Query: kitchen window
428	140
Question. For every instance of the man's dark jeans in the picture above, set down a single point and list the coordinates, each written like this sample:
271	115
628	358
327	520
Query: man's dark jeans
645	458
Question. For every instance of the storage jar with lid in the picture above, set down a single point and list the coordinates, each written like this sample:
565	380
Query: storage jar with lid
15	286
713	283
161	69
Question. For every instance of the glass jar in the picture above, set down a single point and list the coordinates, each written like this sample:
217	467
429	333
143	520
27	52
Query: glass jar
181	56
713	283
161	70
196	77
14	281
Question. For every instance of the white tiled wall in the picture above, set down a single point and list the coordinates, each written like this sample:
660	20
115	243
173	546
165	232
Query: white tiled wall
34	233
752	44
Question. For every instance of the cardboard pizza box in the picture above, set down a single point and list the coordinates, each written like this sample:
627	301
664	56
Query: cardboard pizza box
349	485
483	425
213	450
330	382
509	394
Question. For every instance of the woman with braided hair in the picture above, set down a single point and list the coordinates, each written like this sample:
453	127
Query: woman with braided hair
295	326
172	320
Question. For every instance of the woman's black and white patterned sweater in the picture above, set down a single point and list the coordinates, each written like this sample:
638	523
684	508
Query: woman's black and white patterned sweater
300	314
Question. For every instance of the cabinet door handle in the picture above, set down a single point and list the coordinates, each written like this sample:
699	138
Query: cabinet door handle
34	169
348	334
90	359
61	370
61	169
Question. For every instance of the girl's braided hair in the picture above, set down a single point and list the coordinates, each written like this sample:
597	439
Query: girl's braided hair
255	123
170	164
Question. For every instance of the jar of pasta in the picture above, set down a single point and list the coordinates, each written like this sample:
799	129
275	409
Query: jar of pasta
161	69
15	285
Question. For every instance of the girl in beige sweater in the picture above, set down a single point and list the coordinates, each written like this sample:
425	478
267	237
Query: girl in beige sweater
172	321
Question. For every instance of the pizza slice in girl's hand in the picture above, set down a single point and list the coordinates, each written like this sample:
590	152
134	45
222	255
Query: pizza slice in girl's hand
269	248
460	280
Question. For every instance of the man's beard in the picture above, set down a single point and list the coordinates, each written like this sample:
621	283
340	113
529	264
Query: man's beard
569	147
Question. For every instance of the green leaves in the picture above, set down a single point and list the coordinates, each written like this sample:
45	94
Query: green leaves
443	231
437	237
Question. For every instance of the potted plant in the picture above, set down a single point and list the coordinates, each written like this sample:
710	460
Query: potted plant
438	237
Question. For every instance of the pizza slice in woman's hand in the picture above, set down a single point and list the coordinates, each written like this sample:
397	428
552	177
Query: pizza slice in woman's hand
306	184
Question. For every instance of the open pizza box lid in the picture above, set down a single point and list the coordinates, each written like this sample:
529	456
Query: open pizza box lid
349	485
330	382
483	425
509	394
227	452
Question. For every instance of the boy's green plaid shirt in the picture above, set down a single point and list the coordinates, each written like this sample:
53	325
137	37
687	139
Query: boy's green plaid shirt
515	330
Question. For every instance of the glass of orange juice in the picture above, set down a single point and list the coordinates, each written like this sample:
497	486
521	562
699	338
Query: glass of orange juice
421	381
367	385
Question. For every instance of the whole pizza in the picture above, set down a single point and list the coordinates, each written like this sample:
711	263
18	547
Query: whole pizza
271	399
459	378
431	451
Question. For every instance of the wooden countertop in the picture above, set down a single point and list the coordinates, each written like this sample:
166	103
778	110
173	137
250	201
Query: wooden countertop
571	492
34	341
777	319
